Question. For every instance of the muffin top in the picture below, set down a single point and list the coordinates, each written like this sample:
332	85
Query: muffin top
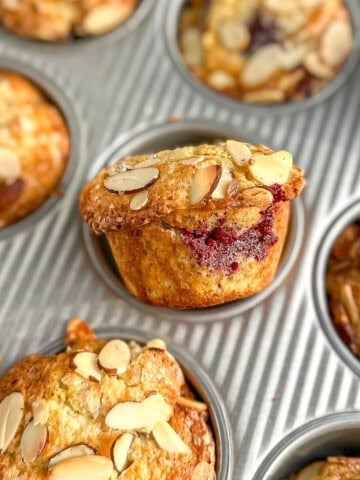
102	410
193	179
334	468
34	147
60	20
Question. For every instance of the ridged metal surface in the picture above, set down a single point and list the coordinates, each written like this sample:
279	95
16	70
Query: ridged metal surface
273	365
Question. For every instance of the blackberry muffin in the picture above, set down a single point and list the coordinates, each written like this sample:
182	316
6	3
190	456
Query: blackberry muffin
60	20
265	51
195	226
102	410
334	468
343	286
34	147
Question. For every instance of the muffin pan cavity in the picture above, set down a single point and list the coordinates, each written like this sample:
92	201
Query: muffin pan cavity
171	135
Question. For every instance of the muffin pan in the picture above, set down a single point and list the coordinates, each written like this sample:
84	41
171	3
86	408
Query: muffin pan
273	365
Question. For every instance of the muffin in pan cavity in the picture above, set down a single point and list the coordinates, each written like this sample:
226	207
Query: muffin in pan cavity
106	409
63	20
196	226
325	448
265	51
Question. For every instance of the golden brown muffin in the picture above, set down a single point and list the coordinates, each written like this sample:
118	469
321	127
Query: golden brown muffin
195	226
334	468
343	286
265	51
34	147
60	20
102	411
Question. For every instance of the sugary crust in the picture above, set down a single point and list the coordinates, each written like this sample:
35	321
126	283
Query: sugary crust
34	131
77	407
59	20
334	468
106	211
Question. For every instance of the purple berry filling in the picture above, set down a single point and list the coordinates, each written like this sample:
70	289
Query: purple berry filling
221	247
278	192
262	32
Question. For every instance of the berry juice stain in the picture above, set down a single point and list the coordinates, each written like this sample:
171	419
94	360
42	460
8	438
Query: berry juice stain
221	247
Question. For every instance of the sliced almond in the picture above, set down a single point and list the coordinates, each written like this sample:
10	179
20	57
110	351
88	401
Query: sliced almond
310	471
220	80
293	56
271	169
148	162
156	343
258	195
132	180
203	471
190	40
168	439
11	413
190	403
336	43
264	95
316	67
10	167
234	35
139	200
262	65
114	358
139	415
193	160
33	441
348	300
40	411
222	187
71	452
86	365
240	153
120	451
89	467
204	183
105	17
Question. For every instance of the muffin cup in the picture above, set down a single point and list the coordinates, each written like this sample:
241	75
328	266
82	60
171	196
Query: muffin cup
171	135
335	227
335	434
56	96
170	21
198	380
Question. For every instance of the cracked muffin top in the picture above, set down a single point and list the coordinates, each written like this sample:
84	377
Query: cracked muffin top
334	468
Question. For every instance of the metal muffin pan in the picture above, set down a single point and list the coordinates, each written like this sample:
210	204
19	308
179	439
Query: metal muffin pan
172	135
336	225
272	364
77	146
198	379
332	435
170	24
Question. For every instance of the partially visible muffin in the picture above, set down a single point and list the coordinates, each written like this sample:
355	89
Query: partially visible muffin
60	20
265	51
34	147
195	226
334	468
102	410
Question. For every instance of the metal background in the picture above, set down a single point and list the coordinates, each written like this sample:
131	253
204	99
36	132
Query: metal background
273	365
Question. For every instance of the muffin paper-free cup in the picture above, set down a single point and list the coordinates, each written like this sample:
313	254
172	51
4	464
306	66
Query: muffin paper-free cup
198	379
171	135
170	23
336	225
77	144
332	435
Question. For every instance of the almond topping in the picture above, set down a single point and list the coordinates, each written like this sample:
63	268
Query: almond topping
11	412
240	153
234	34
40	412
222	187
89	467
156	343
262	65
86	365
10	167
71	452
104	18
139	415
257	195
310	471
132	180
148	162
203	471
33	441
114	358
120	451
316	67
168	439
190	403
204	183
273	168
193	160
336	43
139	200
349	303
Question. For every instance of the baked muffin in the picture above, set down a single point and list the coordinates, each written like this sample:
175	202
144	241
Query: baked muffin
102	410
195	226
334	468
34	147
343	286
265	51
60	20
